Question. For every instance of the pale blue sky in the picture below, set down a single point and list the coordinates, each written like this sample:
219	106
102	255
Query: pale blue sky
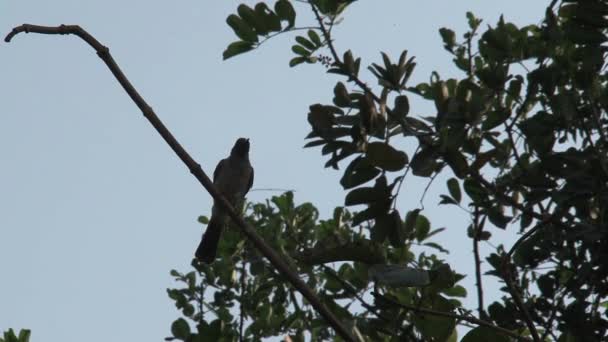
94	207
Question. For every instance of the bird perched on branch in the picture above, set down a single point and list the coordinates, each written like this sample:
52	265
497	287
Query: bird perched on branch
233	177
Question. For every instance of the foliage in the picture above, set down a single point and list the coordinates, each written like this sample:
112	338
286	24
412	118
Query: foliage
248	294
524	133
9	336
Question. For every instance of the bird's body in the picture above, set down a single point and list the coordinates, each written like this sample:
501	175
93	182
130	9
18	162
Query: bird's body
233	177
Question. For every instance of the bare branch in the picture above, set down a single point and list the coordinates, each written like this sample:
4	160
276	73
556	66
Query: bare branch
277	260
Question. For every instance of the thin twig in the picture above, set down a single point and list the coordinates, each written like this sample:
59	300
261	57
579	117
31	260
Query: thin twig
426	189
242	313
469	319
350	288
514	292
477	228
277	260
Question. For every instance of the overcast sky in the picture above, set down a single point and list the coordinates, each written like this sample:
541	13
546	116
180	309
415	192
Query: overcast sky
95	209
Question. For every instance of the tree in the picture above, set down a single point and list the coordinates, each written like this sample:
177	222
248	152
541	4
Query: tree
523	133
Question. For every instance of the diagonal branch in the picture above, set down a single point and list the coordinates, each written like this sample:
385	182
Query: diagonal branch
469	319
277	261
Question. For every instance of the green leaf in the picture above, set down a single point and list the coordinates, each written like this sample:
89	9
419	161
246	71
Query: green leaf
203	219
454	189
386	157
242	29
424	162
474	190
300	50
457	162
484	334
455	291
449	38
252	19
180	329
495	118
396	232
271	21
359	171
435	328
305	42
497	217
364	195
297	60
442	277
285	11
410	221
24	335
321	119
423	226
314	37
237	48
382	228
370	213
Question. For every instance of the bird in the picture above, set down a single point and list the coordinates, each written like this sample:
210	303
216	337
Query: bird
233	177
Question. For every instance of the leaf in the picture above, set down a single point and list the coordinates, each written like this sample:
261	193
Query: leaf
359	171
386	157
424	162
237	48
495	118
285	11
423	226
497	217
305	42
474	190
434	328
455	291
396	233
242	29
321	119
457	162
454	189
297	60
300	50
436	246
180	329
251	18
314	37
382	228
271	21
364	195
370	213
442	277
445	199
203	219
449	38
410	221
483	334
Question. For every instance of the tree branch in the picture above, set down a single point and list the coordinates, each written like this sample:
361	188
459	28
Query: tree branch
478	229
277	261
469	319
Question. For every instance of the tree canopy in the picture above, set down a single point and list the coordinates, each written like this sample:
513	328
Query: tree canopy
521	138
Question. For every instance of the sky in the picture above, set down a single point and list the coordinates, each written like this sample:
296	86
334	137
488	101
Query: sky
95	209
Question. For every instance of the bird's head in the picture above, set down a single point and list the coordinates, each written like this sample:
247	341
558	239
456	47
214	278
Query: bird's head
241	147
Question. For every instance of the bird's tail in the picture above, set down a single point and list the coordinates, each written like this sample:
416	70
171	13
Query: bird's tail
207	249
